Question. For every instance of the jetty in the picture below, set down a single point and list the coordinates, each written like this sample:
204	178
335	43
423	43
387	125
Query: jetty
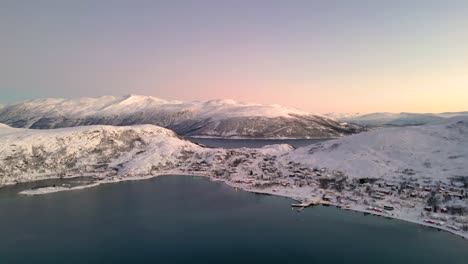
304	204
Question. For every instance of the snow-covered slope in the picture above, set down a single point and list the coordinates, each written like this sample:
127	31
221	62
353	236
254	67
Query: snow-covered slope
215	118
453	114
340	116
27	154
110	152
393	119
438	151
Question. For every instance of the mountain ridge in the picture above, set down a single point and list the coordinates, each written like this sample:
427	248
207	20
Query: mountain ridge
387	119
212	118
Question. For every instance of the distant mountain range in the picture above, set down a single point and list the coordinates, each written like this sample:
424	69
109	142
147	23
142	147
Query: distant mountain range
215	118
393	119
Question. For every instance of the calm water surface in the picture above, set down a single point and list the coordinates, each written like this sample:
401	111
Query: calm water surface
252	143
182	219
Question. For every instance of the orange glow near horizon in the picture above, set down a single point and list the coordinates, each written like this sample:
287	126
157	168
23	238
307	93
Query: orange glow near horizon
318	56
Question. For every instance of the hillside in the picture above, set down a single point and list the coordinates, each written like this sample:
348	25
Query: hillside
111	153
438	151
34	154
215	118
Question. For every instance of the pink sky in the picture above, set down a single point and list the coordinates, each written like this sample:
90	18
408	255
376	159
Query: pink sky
319	56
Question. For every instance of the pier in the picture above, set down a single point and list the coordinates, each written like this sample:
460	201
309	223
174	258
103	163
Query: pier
308	203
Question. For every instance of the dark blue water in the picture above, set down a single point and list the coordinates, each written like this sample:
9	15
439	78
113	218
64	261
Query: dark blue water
181	219
252	143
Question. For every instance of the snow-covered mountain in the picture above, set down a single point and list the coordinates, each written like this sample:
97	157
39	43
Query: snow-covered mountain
437	151
393	119
27	154
453	114
215	118
121	152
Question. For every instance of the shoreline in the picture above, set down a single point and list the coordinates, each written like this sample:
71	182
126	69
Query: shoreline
354	208
261	138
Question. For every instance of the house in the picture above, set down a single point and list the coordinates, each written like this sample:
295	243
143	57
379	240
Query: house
388	207
384	191
455	195
377	196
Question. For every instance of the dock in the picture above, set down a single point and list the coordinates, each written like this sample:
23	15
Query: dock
307	203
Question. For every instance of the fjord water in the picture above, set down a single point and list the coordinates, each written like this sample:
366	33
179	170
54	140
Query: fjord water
183	219
252	143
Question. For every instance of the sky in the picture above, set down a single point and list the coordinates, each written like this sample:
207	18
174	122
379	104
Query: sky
319	56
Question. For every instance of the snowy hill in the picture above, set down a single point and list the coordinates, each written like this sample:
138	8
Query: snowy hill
27	154
393	119
438	151
112	153
215	118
